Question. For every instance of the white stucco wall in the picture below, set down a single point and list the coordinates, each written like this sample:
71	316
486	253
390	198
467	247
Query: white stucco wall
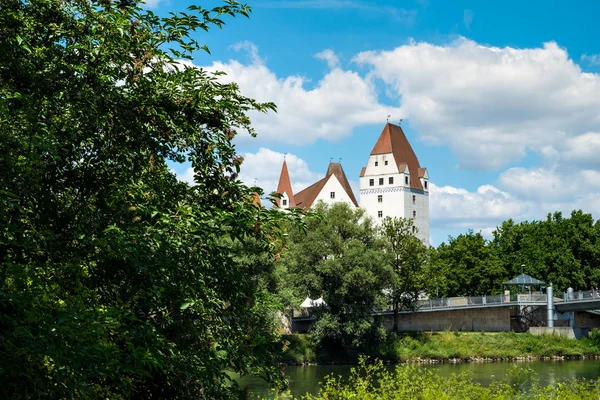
333	185
287	202
396	198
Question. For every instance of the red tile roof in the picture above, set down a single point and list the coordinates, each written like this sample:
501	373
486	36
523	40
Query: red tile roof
285	186
306	197
393	140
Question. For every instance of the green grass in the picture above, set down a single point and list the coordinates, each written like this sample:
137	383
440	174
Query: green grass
300	349
469	345
457	345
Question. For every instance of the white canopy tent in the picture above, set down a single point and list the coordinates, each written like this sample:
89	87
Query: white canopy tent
307	303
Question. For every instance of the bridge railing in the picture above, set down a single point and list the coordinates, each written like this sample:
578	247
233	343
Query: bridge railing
582	295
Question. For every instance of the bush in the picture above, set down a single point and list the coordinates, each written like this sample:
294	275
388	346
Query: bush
369	381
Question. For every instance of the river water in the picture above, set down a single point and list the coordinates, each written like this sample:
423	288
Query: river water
305	380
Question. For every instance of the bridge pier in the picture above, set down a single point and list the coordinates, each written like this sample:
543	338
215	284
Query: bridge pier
550	306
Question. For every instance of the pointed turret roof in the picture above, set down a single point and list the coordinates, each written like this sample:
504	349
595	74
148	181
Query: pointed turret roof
285	185
306	197
393	140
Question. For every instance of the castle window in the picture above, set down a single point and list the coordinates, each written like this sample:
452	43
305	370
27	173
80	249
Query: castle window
414	199
414	214
332	195
425	184
391	180
381	181
284	202
371	182
379	214
376	163
380	198
406	180
385	162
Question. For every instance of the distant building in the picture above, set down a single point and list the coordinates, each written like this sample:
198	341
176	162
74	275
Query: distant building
393	184
333	188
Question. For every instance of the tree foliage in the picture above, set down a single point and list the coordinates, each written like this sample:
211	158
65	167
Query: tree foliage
558	250
339	258
466	266
117	280
407	258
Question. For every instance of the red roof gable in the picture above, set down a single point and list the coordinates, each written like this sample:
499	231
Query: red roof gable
306	197
285	185
393	140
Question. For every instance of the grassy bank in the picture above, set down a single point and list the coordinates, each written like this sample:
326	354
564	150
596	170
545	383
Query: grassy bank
445	346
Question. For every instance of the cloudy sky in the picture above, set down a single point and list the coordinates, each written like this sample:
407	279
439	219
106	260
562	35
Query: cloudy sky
500	100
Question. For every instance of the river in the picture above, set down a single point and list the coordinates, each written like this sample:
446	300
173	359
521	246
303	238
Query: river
305	380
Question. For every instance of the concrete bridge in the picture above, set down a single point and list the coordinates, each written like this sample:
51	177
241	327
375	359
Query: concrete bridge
494	313
566	302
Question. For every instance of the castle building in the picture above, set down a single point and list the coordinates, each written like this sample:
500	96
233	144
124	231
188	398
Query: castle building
333	188
393	184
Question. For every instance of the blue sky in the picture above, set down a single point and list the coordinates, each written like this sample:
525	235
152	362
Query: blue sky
500	100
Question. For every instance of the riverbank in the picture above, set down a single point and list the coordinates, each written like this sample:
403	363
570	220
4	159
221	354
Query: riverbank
433	347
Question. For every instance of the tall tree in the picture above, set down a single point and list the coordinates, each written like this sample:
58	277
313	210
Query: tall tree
116	280
564	251
339	258
469	266
406	256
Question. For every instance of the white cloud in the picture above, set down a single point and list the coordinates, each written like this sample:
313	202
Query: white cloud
593	59
186	176
457	207
583	150
468	18
329	56
153	3
491	105
556	184
340	101
264	166
523	194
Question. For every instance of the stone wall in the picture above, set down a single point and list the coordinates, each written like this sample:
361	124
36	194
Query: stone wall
587	320
493	319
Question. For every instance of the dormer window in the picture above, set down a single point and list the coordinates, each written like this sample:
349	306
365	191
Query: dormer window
332	195
406	180
284	202
376	163
425	184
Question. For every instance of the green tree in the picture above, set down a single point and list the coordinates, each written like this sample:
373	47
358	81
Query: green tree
117	280
406	256
469	266
564	251
338	258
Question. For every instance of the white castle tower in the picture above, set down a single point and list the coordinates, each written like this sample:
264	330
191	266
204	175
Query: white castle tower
394	184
